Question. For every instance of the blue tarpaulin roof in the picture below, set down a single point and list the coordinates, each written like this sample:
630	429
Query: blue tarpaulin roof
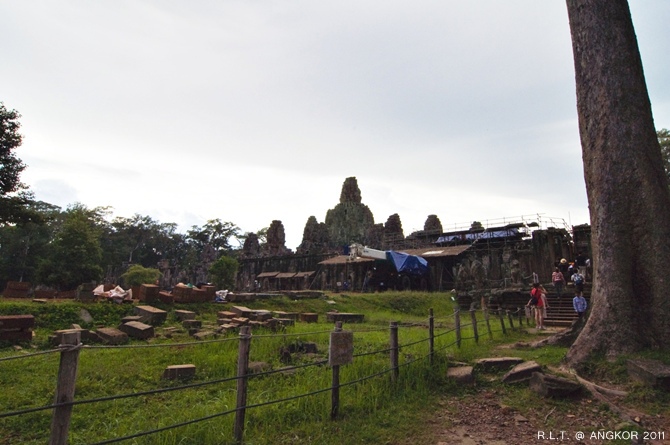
410	264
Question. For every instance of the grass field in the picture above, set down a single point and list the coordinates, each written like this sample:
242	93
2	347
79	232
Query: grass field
291	407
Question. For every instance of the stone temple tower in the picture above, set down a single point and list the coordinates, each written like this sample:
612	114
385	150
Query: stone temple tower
350	220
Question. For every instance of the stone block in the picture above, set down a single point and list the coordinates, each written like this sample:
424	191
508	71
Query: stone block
128	318
210	292
192	324
12	336
259	367
85	316
650	372
241	311
552	386
221	321
86	336
43	294
463	375
240	321
287	315
20	322
234	298
257	324
165	297
262	315
199	296
286	321
309	317
182	315
179	372
112	336
17	289
16	327
149	293
521	372
226	314
495	364
136	329
151	315
181	294
344	317
204	335
225	328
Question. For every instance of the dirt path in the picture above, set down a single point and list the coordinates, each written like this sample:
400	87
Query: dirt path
483	419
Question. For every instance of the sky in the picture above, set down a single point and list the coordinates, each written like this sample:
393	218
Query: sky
254	111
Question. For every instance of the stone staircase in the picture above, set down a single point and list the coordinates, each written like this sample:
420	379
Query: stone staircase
560	311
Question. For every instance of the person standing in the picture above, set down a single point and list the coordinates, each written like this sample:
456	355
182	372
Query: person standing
558	280
579	304
578	279
538	303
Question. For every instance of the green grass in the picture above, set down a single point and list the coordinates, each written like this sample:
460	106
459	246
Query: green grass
372	411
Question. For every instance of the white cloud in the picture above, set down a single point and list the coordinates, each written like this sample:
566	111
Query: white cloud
255	111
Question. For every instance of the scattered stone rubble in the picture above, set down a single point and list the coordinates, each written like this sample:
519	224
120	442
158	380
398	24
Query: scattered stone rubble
142	325
521	372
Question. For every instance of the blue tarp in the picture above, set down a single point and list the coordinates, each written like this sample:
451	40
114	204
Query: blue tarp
409	264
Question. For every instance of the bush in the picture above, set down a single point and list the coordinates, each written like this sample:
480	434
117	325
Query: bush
137	275
222	272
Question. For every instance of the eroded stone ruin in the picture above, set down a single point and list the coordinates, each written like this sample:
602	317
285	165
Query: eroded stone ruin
473	260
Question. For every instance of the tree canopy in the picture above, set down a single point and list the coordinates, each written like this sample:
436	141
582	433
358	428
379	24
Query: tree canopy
10	139
14	195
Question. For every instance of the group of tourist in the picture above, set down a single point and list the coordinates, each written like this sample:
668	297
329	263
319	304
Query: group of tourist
538	294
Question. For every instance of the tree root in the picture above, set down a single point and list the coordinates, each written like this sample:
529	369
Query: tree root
605	395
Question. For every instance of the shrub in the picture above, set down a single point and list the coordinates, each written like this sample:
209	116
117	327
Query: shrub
136	275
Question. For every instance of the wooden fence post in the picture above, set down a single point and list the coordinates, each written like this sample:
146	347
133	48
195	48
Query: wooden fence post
67	377
511	319
502	320
473	318
488	324
335	392
431	336
242	371
518	311
394	351
457	320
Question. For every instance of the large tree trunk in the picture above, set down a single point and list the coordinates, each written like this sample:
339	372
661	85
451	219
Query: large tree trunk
625	183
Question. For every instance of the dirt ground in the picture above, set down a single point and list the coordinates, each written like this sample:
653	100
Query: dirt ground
483	419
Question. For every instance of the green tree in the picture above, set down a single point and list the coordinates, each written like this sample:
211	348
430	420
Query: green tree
626	186
137	275
24	243
138	239
215	233
222	272
14	195
10	139
75	254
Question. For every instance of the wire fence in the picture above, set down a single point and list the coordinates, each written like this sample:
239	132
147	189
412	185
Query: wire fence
341	353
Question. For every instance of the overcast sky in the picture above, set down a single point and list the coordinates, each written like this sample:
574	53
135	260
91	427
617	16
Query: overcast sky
251	111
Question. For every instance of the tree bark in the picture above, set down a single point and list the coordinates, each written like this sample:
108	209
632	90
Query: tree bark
627	189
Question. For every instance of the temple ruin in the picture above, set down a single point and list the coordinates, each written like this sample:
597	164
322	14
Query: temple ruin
472	260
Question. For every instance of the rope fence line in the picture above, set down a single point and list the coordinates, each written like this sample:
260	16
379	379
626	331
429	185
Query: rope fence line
73	348
32	354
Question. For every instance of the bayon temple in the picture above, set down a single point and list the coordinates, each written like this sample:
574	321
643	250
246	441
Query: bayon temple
500	254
